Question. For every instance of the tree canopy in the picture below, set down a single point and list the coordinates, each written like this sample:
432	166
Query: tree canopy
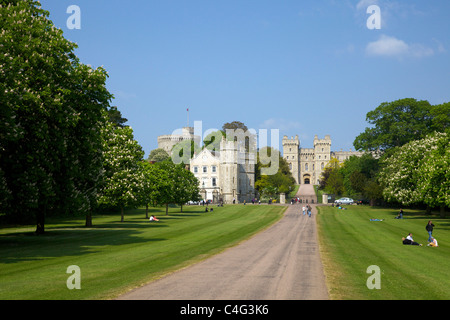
394	124
51	114
419	172
158	155
279	182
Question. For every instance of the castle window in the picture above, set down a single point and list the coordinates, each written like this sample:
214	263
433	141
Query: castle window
213	168
306	167
323	165
214	182
313	167
195	169
205	169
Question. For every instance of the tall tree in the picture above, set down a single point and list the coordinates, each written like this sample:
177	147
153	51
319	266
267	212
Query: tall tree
281	181
183	151
123	174
115	117
176	185
151	177
332	179
186	186
158	155
434	184
394	124
418	172
441	117
50	118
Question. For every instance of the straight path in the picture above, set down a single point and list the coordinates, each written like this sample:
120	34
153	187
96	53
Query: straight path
280	263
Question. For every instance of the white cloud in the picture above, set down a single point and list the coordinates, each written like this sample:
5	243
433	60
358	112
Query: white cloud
392	47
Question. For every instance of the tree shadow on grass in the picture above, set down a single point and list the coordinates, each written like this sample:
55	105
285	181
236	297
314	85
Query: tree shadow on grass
69	237
443	223
67	241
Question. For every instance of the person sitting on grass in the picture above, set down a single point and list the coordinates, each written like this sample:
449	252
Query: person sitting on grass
433	242
153	218
400	215
409	240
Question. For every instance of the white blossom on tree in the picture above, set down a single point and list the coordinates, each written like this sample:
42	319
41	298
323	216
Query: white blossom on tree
418	172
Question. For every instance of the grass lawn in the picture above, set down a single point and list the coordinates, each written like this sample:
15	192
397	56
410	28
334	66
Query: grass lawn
115	256
350	243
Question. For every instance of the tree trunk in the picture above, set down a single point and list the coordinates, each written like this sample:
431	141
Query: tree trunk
181	205
121	214
442	211
40	220
428	210
146	211
167	209
89	219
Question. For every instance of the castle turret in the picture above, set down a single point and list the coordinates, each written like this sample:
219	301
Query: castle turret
229	170
322	154
291	155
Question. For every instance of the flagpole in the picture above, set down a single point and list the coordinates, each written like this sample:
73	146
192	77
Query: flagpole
188	117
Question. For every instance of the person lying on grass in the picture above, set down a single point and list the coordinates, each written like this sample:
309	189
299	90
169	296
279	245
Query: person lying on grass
409	240
153	218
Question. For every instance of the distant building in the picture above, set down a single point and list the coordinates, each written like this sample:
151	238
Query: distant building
168	141
307	164
227	175
224	175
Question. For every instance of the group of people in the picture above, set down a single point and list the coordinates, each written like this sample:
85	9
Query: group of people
432	242
307	209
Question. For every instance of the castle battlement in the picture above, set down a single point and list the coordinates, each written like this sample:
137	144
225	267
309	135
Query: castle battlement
168	141
307	164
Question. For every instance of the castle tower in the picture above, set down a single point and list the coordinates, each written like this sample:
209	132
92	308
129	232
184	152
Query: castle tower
229	171
168	141
291	155
322	154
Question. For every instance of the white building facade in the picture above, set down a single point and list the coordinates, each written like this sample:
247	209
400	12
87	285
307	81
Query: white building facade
226	176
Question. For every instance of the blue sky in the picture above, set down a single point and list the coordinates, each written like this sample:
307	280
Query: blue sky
303	67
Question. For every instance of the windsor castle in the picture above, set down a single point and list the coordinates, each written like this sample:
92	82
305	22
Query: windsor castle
307	164
228	175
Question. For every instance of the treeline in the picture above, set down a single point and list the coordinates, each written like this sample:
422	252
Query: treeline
63	148
271	185
407	158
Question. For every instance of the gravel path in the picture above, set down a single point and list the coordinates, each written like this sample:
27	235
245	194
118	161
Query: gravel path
280	263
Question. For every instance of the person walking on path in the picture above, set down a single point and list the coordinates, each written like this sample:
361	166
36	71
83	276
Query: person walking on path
304	210
429	228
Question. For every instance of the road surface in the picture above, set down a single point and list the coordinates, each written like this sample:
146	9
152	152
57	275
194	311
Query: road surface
280	263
